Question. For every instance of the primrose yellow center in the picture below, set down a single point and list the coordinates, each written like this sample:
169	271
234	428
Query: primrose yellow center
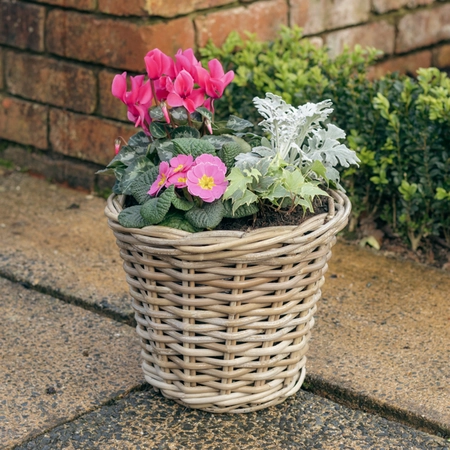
179	168
163	180
206	182
182	180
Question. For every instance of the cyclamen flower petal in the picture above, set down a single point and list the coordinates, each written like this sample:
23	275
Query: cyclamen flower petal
119	86
138	99
215	81
162	180
207	181
158	64
182	92
186	60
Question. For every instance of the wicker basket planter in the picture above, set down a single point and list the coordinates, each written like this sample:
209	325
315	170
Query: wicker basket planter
224	317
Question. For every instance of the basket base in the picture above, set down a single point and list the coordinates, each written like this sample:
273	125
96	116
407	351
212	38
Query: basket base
231	403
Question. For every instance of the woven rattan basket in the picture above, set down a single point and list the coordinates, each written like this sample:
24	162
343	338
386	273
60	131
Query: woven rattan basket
224	317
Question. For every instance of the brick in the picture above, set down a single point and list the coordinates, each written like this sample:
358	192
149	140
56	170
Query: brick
380	35
315	16
160	8
423	28
2	84
124	8
172	8
22	25
403	64
382	6
85	137
52	166
115	43
83	5
54	82
262	18
23	122
110	106
442	56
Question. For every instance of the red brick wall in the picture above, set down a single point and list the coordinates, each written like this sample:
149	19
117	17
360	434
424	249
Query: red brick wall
58	58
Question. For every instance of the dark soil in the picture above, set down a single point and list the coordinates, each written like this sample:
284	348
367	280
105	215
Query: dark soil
271	217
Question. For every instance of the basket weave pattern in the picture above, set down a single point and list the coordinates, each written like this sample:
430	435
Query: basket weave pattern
224	317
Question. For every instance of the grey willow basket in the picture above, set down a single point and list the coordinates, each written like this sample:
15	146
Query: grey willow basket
224	317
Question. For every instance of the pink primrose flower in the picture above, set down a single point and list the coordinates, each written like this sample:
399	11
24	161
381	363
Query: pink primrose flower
162	180
182	92
186	60
207	181
138	99
158	64
215	81
214	160
180	165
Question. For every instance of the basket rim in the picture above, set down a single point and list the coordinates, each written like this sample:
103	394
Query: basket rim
336	220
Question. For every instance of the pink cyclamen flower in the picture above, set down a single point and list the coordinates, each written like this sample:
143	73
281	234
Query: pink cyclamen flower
117	144
162	180
158	64
138	99
186	60
215	81
182	92
180	165
207	181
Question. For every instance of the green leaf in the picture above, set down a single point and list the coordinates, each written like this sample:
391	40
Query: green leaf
242	211
139	166
139	140
141	185
208	216
194	147
318	168
126	156
237	124
217	141
179	115
311	190
206	113
247	198
165	150
293	180
131	217
182	204
154	210
158	130
177	220
229	152
157	114
185	132
239	182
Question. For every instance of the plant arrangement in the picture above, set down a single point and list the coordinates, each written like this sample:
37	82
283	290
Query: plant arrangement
185	170
398	126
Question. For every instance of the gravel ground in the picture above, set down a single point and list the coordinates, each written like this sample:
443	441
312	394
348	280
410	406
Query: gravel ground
145	420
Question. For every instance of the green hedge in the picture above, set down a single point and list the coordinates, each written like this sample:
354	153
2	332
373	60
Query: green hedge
398	125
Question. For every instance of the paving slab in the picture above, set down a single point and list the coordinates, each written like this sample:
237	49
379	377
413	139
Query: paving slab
57	240
144	420
58	361
381	340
